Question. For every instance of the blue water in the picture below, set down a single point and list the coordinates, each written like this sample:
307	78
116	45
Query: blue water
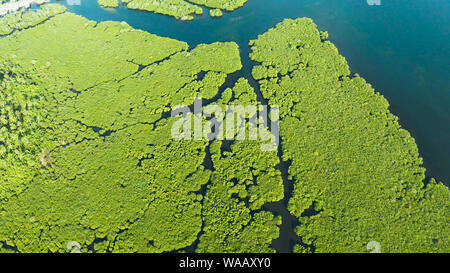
401	47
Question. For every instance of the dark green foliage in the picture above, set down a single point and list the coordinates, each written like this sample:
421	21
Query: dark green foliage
87	158
21	20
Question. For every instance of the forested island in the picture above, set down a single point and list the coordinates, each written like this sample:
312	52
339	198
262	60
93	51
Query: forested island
87	161
180	9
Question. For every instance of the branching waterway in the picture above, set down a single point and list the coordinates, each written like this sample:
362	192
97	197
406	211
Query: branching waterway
16	5
401	49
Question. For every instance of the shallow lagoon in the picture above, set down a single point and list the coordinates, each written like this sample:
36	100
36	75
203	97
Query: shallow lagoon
400	47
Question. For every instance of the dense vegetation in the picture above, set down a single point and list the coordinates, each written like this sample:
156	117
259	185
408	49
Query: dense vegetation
243	180
87	162
20	20
180	9
98	168
215	13
356	173
109	3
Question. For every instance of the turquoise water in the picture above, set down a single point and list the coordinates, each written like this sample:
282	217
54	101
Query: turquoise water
400	47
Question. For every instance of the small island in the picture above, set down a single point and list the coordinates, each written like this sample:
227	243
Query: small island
181	9
215	13
7	6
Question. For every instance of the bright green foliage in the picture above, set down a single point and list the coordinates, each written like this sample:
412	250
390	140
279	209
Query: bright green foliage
21	102
244	179
179	9
89	158
109	3
21	20
184	9
158	88
229	5
350	160
100	52
86	153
